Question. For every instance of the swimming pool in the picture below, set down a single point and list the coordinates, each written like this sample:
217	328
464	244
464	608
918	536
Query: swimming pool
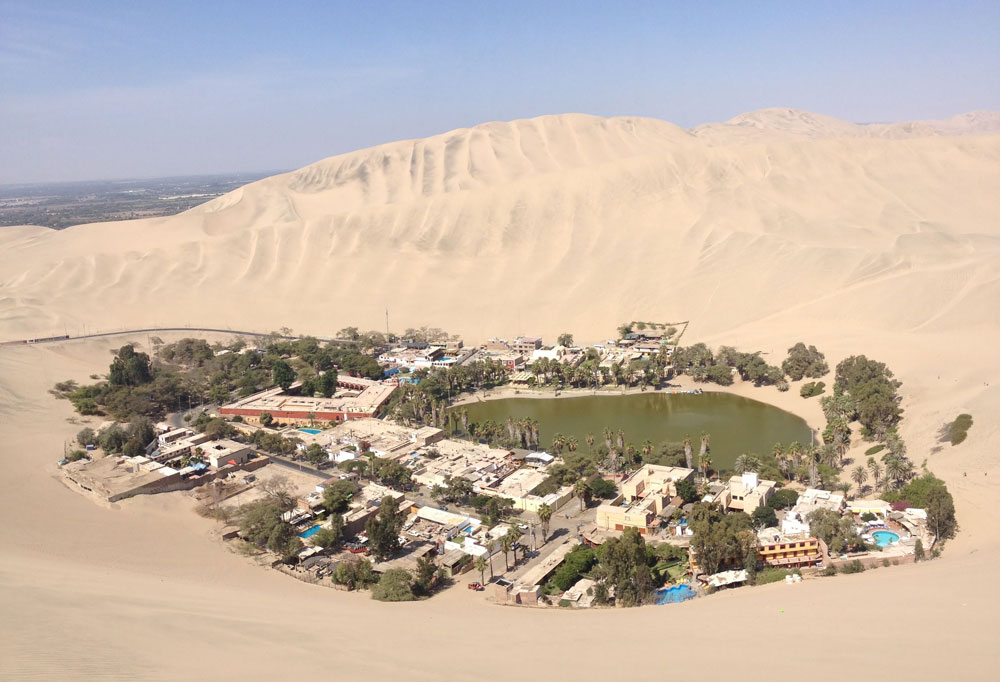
312	431
309	532
675	594
884	538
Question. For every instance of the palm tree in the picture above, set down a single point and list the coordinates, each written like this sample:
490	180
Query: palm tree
828	455
481	564
515	535
706	462
704	445
544	515
590	442
647	448
571	444
795	451
609	438
558	443
581	490
507	544
859	475
876	470
740	465
687	452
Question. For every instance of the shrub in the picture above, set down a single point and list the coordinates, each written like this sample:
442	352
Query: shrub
959	428
356	574
86	437
770	575
687	491
396	584
76	455
853	567
578	561
868	516
564	603
783	499
829	570
812	388
875	449
804	361
602	488
764	517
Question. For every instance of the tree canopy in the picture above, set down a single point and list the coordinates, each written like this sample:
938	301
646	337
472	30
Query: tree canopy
383	529
804	361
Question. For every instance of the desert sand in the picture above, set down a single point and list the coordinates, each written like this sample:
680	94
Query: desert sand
777	227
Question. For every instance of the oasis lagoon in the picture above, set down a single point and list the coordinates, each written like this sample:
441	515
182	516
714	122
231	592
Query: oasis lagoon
735	424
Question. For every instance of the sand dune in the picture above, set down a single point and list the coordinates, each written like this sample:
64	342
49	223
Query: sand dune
775	227
599	219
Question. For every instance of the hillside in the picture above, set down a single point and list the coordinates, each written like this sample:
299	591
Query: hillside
567	222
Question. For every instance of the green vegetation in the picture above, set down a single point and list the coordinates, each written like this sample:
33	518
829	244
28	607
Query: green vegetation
580	560
812	389
624	563
328	538
337	496
875	449
873	391
783	499
771	575
804	362
836	531
86	437
602	488
189	372
454	491
355	574
930	494
687	491
702	365
261	523
958	430
764	517
383	529
852	567
722	539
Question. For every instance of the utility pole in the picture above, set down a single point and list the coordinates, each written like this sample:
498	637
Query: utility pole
387	324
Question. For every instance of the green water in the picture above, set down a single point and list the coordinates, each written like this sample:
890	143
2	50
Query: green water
735	424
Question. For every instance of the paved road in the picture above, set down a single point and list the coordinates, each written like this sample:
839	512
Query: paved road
151	330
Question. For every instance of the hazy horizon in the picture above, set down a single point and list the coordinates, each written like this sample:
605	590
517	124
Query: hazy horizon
121	92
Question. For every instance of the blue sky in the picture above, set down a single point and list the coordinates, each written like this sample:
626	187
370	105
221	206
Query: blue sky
92	90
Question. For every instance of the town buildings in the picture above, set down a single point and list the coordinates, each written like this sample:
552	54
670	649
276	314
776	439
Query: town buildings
356	398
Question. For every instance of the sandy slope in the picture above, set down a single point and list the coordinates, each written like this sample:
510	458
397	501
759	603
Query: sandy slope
561	222
777	227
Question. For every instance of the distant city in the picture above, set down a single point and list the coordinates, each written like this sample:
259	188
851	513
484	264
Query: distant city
59	205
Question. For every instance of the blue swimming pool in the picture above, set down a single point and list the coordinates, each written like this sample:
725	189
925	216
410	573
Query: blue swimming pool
884	538
311	431
675	594
309	532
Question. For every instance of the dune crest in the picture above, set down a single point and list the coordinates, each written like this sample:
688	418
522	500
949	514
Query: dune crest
600	219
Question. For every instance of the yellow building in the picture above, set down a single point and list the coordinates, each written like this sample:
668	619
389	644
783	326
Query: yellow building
790	553
619	515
